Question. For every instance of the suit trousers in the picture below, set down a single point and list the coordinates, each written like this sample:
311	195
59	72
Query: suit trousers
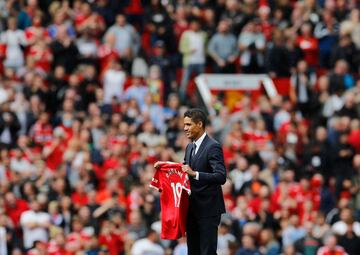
202	235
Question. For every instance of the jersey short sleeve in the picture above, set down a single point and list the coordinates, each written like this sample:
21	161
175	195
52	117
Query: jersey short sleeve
155	181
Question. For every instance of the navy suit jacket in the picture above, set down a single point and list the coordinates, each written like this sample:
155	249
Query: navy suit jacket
206	199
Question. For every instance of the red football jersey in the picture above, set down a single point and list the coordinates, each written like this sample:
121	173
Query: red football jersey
174	186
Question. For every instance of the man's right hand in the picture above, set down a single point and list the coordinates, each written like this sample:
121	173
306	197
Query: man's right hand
157	164
187	169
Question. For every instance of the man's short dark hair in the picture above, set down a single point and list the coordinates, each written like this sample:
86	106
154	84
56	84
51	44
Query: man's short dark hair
196	115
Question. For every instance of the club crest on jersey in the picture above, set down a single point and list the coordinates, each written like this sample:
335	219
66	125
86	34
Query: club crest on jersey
173	171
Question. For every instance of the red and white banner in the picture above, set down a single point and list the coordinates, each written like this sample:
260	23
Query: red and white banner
225	82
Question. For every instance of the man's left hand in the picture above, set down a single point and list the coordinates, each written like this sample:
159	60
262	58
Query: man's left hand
187	169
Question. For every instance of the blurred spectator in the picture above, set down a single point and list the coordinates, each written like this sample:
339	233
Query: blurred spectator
240	174
248	246
9	126
346	50
326	32
127	40
293	232
236	15
114	80
346	224
88	47
86	20
251	44
309	45
269	244
271	174
302	83
64	50
290	250
356	186
111	237
225	238
159	57
343	154
181	248
159	24
308	245
148	244
223	49
192	47
255	183
35	224
350	27
58	23
331	247
156	85
278	57
136	91
36	31
181	23
14	39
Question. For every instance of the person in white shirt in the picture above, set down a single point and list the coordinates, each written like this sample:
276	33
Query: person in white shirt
13	38
148	245
35	225
225	238
346	221
3	238
181	247
114	80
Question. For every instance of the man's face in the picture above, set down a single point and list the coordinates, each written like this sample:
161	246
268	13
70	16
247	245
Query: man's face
195	26
120	20
192	129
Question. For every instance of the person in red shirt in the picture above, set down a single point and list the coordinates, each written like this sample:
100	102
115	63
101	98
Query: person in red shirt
79	196
78	238
354	135
41	131
56	245
107	53
113	189
111	238
40	248
86	19
283	196
41	54
36	31
14	207
54	150
181	24
266	25
331	247
309	45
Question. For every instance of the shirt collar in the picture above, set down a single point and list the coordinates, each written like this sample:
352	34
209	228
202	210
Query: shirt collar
200	140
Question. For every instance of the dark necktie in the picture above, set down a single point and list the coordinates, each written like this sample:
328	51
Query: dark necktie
193	150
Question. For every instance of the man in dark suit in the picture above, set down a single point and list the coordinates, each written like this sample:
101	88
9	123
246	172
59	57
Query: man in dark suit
204	163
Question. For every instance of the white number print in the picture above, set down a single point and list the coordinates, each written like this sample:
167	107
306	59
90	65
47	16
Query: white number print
176	187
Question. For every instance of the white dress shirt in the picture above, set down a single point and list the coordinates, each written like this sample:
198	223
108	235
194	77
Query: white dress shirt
198	143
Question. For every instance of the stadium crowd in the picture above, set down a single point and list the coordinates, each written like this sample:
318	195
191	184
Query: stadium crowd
93	92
